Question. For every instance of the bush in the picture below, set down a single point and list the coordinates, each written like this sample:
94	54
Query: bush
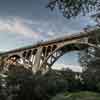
98	86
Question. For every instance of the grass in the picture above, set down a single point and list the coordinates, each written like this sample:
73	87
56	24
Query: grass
85	95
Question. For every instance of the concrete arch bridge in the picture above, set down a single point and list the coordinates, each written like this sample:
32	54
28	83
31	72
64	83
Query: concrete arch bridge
42	56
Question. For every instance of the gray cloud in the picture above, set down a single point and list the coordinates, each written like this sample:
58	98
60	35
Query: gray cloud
42	28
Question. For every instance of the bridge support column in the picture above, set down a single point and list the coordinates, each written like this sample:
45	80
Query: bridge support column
44	68
36	65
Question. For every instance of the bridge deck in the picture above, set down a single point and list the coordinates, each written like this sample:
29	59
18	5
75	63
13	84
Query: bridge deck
67	38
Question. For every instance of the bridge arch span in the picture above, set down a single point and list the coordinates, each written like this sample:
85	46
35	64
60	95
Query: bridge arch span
63	49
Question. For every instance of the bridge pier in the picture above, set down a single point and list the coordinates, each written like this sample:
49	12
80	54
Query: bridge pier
36	64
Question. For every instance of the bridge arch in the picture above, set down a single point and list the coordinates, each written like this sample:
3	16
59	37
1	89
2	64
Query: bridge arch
60	51
11	59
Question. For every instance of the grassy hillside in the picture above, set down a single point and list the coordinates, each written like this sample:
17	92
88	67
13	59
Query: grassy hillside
78	96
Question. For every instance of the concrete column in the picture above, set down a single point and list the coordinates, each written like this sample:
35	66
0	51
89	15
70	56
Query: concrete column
36	65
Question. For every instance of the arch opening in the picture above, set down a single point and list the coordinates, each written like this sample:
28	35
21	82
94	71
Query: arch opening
51	59
14	59
69	60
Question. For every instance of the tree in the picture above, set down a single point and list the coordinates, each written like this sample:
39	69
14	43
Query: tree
90	60
72	8
91	56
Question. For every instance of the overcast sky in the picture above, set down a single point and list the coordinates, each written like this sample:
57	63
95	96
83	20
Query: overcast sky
24	22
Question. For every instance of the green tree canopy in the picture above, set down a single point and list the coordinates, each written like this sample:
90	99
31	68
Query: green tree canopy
72	8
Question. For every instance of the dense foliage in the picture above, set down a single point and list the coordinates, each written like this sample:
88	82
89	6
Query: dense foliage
19	83
90	60
72	8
